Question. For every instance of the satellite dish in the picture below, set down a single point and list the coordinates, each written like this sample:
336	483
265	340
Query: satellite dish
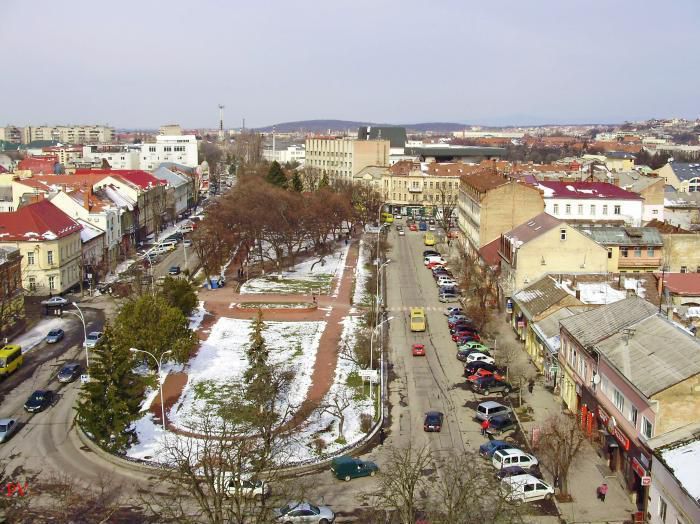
596	379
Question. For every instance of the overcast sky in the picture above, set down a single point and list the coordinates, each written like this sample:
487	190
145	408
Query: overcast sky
145	63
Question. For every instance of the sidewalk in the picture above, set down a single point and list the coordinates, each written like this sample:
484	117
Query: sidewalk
589	469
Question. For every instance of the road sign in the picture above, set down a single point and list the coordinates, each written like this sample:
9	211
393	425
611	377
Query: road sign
84	379
369	374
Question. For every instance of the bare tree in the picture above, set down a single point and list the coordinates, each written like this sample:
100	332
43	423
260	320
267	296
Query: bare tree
335	407
559	443
446	206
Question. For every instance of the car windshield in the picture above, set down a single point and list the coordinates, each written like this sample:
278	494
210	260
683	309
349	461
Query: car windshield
314	509
93	336
37	396
3	428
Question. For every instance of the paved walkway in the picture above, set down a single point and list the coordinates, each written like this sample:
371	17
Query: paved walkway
331	309
589	470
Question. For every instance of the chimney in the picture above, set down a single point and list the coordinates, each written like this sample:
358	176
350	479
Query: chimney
578	293
86	198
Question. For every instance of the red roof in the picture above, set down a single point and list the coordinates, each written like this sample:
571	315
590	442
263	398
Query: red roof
682	283
36	222
38	164
585	190
2	169
137	177
489	253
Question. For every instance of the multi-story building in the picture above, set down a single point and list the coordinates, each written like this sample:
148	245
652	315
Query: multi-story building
179	190
342	158
12	315
684	177
114	155
629	375
11	134
650	188
294	153
630	249
681	251
68	134
50	245
592	203
490	204
181	149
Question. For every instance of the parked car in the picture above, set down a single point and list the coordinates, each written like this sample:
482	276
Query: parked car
93	338
513	457
38	401
248	487
512	471
418	350
461	326
430	252
467	338
55	301
8	426
434	258
471	367
489	409
488	385
463	354
480	357
55	335
488	448
481	373
174	270
433	421
478	346
526	488
452	311
346	468
448	297
69	372
187	243
304	512
453	320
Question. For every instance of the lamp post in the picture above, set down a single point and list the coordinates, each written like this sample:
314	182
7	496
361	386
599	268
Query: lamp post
79	314
371	348
379	276
160	382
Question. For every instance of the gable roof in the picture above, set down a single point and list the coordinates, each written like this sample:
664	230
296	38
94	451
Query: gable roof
685	171
666	228
36	222
540	296
598	324
483	182
584	190
136	177
687	284
489	252
533	228
170	177
623	236
653	354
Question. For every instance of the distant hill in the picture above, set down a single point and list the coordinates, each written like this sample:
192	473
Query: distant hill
322	126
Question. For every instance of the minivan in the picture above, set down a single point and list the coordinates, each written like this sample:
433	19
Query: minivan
526	488
346	468
513	457
489	409
168	244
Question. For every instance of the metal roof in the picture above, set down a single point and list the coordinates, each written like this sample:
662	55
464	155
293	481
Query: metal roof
539	296
598	324
685	171
653	354
457	151
623	236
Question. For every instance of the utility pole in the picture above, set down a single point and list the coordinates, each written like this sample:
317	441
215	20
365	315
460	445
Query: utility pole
221	122
273	144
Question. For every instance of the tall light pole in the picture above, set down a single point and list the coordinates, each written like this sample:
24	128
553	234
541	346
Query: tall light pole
379	276
79	314
371	348
159	362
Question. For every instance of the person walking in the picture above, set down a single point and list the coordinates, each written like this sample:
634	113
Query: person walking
485	426
382	435
531	385
602	491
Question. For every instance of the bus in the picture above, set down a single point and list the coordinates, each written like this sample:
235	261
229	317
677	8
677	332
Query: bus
387	218
429	239
417	319
10	359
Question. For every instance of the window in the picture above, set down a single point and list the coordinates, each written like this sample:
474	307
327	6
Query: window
30	258
617	210
633	416
638	252
152	149
32	283
609	252
568	209
650	251
618	400
556	209
647	428
605	209
624	251
580	209
663	507
49	256
52	282
592	209
562	234
684	269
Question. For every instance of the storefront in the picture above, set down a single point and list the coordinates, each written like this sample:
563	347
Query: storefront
570	389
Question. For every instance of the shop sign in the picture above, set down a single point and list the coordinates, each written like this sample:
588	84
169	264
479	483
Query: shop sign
638	469
509	306
611	425
646	481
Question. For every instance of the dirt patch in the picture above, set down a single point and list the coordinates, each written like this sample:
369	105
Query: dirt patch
172	389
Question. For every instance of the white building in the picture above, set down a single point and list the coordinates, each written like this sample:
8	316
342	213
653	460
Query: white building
591	202
117	156
293	153
180	149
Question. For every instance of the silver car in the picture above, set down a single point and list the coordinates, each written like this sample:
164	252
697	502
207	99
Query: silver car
304	512
93	338
7	428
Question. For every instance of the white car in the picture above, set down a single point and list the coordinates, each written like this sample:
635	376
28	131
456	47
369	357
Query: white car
438	260
432	228
504	458
92	339
55	301
402	233
247	487
480	357
525	488
446	282
304	512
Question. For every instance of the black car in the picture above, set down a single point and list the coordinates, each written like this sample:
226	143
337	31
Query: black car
433	421
69	372
39	401
430	253
512	471
501	424
174	270
472	367
489	384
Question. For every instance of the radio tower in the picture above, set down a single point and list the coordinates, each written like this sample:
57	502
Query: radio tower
221	122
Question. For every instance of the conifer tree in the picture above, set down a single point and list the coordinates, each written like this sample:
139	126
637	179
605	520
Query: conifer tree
297	184
324	181
275	175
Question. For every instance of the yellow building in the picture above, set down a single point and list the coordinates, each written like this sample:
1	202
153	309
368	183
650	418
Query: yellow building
630	249
49	243
342	158
682	176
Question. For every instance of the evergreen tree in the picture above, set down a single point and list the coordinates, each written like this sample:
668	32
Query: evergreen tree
297	184
150	323
275	175
257	354
324	181
110	402
178	292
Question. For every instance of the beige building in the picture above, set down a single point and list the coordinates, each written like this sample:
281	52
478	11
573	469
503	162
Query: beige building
343	158
544	244
681	249
490	204
68	134
630	249
170	130
682	176
49	243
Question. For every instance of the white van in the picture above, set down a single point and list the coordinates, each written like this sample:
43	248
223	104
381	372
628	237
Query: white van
186	228
526	488
504	458
168	245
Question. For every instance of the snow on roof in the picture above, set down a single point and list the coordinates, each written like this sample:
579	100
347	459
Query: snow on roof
89	231
636	285
120	199
587	190
684	461
595	292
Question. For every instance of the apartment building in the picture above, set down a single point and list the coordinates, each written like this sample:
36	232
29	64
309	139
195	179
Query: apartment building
342	158
294	153
180	149
630	249
684	177
113	155
12	314
11	134
490	204
68	134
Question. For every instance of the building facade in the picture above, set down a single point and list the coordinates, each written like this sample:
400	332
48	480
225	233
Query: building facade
68	134
112	155
342	158
180	149
630	249
12	314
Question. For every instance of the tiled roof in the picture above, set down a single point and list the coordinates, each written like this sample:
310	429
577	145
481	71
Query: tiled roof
36	222
623	236
598	324
489	252
665	228
484	182
585	190
682	283
38	164
539	296
685	171
653	354
137	177
533	228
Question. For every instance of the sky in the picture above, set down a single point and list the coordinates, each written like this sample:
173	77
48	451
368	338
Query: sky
140	64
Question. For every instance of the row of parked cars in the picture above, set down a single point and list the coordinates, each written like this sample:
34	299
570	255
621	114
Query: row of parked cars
448	289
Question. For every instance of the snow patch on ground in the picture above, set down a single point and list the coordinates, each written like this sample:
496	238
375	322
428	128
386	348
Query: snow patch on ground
37	334
362	275
197	316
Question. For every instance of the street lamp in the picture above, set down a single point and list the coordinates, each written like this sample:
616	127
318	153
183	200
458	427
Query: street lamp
379	276
160	382
371	349
79	314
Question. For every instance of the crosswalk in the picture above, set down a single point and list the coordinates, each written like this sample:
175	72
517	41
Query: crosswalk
408	308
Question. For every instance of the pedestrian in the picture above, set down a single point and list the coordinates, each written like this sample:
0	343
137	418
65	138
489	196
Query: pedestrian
382	435
602	491
531	385
346	241
485	426
314	299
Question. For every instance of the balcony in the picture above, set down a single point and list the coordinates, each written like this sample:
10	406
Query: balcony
415	189
632	261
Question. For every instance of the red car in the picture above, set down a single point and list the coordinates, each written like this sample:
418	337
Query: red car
413	227
485	373
464	337
418	350
433	265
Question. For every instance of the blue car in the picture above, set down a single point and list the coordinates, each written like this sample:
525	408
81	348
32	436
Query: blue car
487	449
55	335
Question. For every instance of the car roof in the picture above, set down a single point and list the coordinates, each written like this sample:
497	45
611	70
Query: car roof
521	479
433	413
511	451
490	404
70	365
94	333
